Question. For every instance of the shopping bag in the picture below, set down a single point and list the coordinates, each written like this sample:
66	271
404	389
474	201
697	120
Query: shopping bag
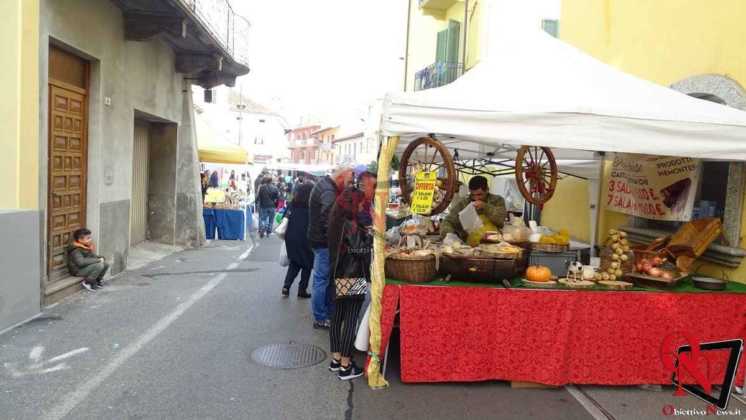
284	260
279	216
363	332
255	222
281	229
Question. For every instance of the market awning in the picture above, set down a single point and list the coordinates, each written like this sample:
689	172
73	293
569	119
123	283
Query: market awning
213	148
533	89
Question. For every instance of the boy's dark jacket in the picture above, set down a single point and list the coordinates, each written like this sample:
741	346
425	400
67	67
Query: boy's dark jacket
78	258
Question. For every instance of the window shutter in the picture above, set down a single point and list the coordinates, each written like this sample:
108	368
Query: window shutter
454	30
441	49
550	26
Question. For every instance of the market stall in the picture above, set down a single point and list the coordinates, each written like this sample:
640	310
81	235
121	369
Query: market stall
224	210
525	325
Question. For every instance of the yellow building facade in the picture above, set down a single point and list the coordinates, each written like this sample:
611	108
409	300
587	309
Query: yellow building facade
694	46
19	110
429	18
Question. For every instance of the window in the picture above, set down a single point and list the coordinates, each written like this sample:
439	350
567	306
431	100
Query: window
550	26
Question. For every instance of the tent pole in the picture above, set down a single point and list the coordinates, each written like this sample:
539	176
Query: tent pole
378	277
597	207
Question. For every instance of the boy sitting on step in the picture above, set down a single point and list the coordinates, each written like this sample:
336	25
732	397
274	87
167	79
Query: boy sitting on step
82	260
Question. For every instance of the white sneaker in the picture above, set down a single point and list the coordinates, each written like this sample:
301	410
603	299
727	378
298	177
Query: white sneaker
87	286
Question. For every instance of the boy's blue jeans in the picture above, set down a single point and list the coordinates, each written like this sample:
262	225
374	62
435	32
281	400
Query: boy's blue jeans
322	297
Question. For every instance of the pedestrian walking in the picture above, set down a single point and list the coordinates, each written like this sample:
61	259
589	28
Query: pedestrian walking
323	196
266	201
296	242
350	248
82	260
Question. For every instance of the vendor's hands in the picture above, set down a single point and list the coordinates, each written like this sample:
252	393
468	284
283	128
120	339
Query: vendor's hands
478	204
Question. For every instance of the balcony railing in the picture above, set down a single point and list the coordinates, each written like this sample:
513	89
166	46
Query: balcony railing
437	74
229	28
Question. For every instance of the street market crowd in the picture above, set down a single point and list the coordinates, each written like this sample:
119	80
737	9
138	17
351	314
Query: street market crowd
326	227
326	224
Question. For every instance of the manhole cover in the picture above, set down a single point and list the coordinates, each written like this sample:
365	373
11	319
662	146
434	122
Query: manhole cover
288	356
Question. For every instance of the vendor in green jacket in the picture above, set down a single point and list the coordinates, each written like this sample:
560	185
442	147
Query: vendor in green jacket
490	207
82	260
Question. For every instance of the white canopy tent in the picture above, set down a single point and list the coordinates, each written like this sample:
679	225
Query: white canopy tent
532	89
535	90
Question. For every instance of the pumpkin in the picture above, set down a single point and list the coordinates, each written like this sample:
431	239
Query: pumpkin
538	273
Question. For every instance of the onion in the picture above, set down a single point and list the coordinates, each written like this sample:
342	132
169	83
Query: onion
655	272
646	267
667	276
638	267
657	260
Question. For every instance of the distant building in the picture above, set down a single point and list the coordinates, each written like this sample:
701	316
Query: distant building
244	122
324	139
350	149
302	146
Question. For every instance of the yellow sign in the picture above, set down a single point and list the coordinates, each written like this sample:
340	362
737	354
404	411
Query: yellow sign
215	195
422	197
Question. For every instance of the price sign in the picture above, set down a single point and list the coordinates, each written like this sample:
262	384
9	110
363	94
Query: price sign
422	197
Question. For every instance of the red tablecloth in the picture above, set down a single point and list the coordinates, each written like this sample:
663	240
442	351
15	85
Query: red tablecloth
551	337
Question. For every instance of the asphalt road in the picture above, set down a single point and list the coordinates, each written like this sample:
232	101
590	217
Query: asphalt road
173	340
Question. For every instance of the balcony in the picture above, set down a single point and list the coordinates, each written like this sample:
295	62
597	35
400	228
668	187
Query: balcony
436	8
210	40
437	74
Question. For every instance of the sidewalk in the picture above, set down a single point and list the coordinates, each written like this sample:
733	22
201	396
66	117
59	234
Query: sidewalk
173	340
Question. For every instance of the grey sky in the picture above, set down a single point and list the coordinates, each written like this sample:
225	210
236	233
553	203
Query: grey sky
323	57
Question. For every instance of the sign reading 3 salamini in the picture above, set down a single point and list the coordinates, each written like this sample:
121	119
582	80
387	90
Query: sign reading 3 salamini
653	187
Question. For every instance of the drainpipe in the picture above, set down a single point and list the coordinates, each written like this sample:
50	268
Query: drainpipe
466	31
406	46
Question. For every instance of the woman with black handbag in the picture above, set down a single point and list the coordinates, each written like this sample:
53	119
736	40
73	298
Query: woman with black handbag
350	250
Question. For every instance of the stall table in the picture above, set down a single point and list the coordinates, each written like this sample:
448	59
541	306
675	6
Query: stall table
467	332
230	224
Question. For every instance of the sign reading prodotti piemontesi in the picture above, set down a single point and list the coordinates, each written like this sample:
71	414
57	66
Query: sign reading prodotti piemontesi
660	188
422	197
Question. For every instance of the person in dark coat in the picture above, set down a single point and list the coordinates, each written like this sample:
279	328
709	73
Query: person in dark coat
266	199
323	196
214	180
296	242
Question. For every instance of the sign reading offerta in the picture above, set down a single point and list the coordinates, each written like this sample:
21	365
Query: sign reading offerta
422	197
660	188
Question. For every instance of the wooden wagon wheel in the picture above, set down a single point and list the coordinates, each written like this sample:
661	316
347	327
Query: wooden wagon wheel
536	173
428	154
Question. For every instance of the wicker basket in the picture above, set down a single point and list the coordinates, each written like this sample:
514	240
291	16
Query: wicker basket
480	269
549	247
411	268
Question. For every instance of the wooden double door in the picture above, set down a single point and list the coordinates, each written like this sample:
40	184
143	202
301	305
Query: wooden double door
68	152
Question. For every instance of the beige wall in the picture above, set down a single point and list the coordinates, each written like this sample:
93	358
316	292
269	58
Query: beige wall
19	109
